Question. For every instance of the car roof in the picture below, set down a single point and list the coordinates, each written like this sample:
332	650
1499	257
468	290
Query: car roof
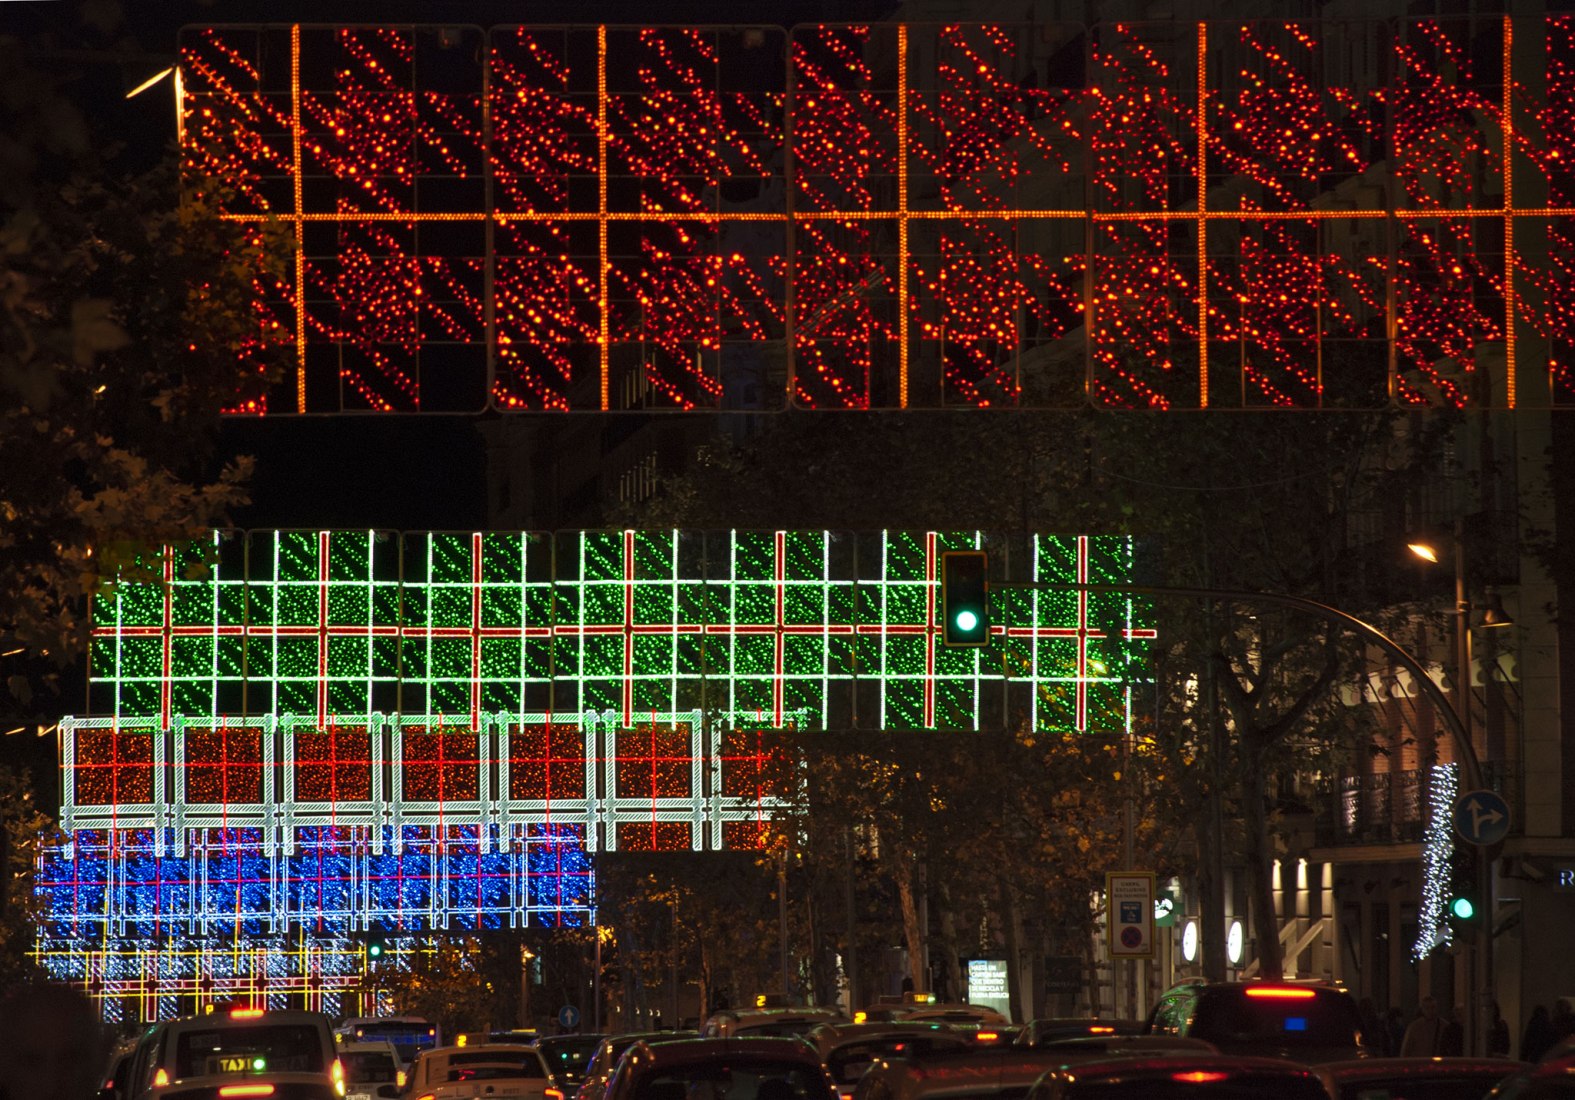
225	1018
499	1049
366	1046
1357	1069
680	1051
1183	1062
969	1066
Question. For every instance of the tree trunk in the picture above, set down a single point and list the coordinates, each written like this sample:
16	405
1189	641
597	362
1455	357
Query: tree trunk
949	946
1012	919
1211	900
918	968
1260	856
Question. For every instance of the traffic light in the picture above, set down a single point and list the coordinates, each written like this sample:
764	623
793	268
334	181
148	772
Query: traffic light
376	947
1460	902
965	602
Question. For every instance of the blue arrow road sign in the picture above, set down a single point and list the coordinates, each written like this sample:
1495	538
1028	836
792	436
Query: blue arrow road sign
1481	818
568	1017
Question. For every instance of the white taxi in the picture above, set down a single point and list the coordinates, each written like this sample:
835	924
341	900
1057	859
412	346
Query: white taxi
481	1071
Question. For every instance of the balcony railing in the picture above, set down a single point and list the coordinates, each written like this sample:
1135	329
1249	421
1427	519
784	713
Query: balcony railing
1391	807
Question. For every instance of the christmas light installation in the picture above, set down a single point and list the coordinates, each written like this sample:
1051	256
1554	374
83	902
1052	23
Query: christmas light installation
295	737
1322	214
1438	845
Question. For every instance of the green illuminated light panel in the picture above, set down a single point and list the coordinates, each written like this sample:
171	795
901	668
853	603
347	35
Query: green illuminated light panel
604	678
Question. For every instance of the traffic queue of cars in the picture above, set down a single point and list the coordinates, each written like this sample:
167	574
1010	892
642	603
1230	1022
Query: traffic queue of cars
1282	1040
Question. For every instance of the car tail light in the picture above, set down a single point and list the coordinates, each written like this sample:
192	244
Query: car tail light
162	1077
245	1090
427	1096
986	1036
245	1013
338	1072
1280	992
1099	1030
399	1079
1199	1076
552	1094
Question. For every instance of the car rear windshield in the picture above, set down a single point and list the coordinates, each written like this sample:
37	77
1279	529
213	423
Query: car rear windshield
848	1063
368	1067
257	1048
483	1065
1244	1086
1461	1086
1322	1020
569	1057
790	1028
739	1078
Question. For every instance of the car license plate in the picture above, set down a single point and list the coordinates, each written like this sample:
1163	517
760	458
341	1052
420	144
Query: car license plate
359	1096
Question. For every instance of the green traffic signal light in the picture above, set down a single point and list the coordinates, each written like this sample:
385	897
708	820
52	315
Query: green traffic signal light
1461	908
374	950
965	603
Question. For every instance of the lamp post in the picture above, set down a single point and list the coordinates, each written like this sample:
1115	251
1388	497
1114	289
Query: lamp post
1478	1023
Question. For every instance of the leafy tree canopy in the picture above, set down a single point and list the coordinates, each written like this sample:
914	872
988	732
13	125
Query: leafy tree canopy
125	328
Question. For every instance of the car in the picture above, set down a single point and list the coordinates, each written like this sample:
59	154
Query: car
1046	1029
113	1084
766	1068
1415	1078
968	1073
768	1021
498	1071
611	1048
237	1052
1306	1022
1553	1078
410	1035
371	1070
847	1050
568	1057
1179	1076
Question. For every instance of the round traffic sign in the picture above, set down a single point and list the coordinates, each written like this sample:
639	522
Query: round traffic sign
1481	818
568	1017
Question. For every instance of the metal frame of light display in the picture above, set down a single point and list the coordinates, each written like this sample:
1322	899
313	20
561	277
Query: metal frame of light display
299	736
1138	215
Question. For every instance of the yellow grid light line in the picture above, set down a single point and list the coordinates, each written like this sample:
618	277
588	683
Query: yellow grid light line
1509	220
997	213
902	215
603	351
1203	205
300	234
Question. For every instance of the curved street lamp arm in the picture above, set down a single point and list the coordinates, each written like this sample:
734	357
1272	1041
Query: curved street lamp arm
1457	731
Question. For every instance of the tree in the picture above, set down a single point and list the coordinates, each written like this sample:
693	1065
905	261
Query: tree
1275	502
448	985
22	825
126	326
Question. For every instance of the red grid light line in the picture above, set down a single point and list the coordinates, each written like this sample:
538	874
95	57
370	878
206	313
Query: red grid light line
166	680
322	628
475	631
933	625
779	665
